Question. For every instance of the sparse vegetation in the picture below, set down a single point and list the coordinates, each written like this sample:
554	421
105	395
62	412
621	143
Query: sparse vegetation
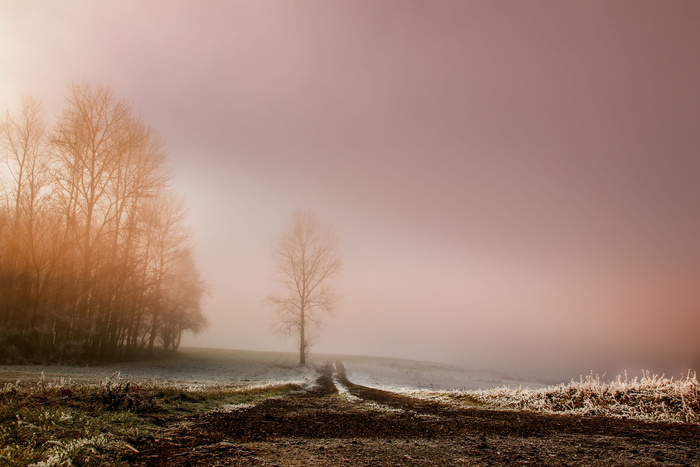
60	422
649	398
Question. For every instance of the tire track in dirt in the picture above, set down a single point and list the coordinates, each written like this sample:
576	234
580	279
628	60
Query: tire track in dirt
350	424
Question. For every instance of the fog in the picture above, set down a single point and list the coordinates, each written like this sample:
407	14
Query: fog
514	183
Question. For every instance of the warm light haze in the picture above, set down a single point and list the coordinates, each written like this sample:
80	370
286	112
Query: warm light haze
515	185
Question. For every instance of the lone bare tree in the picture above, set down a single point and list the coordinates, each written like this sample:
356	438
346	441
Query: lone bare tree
306	256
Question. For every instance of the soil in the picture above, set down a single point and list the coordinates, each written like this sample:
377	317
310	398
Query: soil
370	427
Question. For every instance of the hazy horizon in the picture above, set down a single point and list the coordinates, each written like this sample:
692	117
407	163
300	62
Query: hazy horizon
514	184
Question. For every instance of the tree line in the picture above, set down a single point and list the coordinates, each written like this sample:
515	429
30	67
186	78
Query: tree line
95	254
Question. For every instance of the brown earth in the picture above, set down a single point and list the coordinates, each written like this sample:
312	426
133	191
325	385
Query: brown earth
379	428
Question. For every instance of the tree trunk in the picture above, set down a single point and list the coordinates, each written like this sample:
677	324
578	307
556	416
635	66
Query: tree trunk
302	340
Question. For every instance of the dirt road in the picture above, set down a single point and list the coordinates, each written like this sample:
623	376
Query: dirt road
362	426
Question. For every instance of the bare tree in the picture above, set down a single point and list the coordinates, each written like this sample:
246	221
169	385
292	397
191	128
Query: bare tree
90	141
23	267
108	166
181	301
168	238
307	258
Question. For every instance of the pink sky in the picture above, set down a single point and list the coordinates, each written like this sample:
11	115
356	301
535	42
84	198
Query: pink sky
514	183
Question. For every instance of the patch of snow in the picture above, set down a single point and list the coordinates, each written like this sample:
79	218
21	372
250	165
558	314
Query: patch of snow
381	407
236	407
343	390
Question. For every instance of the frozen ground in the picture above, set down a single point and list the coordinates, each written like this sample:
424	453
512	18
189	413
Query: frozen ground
385	373
191	366
206	367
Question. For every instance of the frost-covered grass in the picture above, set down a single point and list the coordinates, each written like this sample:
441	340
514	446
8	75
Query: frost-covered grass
62	422
78	415
649	398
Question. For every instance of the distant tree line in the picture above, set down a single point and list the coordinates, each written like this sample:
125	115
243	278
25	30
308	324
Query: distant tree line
95	256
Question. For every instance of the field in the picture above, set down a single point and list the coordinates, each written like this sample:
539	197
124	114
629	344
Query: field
221	407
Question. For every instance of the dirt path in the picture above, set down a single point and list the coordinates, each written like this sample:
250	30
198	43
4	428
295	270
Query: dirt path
340	423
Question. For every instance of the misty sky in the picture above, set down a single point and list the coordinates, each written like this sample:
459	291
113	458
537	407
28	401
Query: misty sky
515	184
